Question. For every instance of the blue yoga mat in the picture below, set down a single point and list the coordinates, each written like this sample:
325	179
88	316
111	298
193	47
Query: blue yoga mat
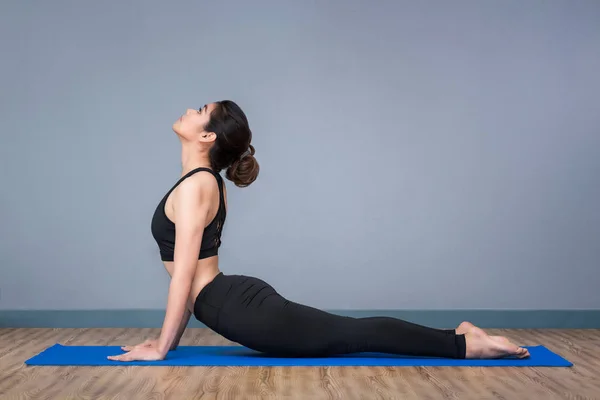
242	356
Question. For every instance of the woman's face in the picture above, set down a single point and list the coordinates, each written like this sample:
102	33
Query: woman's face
191	124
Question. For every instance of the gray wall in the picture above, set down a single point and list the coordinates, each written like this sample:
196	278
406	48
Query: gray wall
414	154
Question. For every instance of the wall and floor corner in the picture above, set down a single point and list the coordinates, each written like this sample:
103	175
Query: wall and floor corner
436	158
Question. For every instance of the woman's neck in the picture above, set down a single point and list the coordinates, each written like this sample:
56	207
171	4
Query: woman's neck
192	159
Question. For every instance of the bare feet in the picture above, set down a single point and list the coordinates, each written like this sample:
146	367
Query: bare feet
481	345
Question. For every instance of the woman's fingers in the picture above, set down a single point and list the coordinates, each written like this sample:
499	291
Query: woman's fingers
121	357
142	354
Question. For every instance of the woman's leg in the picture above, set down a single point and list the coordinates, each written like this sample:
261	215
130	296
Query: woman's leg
302	330
250	312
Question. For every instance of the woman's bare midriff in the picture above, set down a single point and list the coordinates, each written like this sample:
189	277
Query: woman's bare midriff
206	270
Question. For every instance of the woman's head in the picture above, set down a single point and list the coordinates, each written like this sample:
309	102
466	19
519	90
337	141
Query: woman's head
221	128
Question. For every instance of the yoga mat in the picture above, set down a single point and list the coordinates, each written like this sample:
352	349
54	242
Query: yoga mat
242	356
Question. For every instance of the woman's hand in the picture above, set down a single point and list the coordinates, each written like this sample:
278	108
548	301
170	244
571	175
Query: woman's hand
139	354
149	343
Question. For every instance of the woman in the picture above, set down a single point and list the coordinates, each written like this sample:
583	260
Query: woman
245	309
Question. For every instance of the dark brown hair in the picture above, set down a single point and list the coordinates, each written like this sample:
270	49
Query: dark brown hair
232	148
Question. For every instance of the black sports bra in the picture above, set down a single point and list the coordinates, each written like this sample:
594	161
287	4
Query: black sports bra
163	229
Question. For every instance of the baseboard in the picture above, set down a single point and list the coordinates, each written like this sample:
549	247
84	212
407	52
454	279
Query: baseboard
132	318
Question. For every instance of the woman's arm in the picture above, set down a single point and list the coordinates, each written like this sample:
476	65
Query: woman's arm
182	326
153	343
191	205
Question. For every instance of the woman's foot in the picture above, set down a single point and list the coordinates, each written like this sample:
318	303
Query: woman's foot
481	345
488	346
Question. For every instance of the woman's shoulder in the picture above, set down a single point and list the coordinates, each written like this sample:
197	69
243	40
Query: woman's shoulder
201	182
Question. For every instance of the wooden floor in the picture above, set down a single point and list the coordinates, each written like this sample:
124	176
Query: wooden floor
582	381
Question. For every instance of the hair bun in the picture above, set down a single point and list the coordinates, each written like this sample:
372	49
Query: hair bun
244	171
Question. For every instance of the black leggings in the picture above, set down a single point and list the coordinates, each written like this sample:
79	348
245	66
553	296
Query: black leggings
249	311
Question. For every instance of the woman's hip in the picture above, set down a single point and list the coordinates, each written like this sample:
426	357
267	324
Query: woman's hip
232	294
